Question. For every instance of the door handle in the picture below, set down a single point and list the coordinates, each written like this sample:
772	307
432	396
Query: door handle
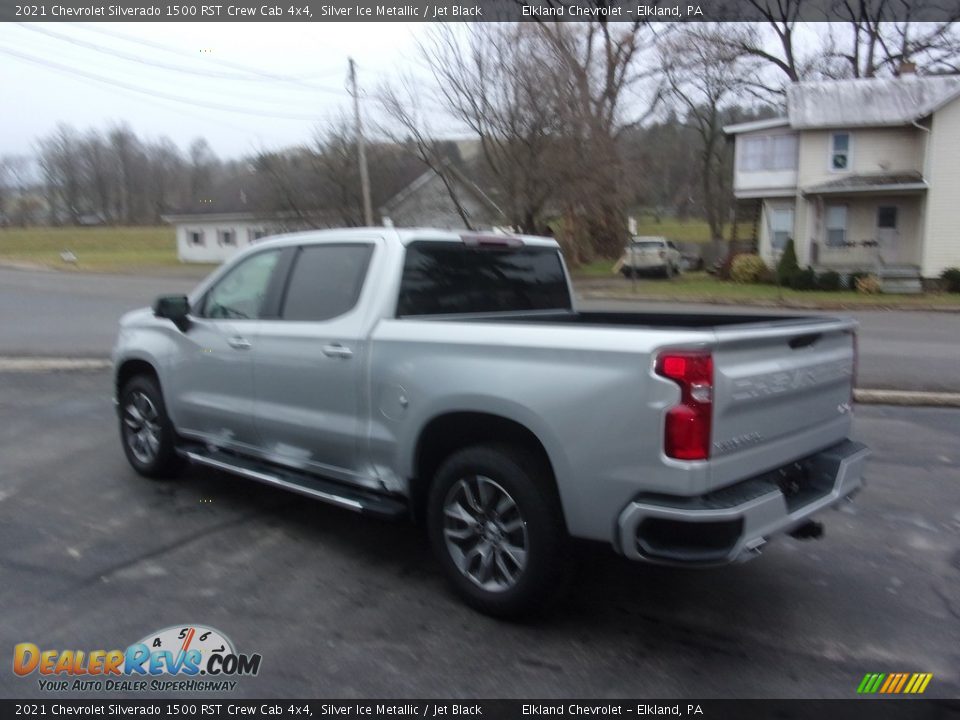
239	343
337	350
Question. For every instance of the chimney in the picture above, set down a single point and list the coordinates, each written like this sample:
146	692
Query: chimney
907	67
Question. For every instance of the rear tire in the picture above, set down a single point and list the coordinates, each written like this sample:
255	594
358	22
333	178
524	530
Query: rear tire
496	526
146	433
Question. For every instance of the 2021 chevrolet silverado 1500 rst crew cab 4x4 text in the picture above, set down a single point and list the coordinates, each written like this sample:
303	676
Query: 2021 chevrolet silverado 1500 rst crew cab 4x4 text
450	377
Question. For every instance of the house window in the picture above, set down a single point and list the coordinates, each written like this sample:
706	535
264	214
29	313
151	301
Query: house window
840	151
768	152
257	234
837	226
195	237
887	217
781	227
227	238
783	152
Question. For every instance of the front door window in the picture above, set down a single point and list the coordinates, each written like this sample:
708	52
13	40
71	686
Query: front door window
239	294
888	235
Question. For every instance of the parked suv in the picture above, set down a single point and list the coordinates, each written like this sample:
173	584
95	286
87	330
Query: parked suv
648	254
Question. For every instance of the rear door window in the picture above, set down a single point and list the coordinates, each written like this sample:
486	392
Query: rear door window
326	281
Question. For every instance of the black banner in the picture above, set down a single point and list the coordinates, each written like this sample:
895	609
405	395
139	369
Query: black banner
630	11
864	709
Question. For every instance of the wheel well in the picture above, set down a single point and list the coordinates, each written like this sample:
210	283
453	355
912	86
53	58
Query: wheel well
448	433
131	368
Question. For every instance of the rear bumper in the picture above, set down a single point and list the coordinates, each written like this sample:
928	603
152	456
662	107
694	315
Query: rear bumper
732	524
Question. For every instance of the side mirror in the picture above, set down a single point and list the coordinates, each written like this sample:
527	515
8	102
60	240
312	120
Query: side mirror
175	308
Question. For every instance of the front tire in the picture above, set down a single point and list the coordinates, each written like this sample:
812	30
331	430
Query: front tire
147	435
495	523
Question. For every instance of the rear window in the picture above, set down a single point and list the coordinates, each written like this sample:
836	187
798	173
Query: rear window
441	278
648	244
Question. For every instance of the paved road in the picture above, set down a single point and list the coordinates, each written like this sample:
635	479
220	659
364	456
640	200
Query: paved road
58	313
43	313
92	556
898	350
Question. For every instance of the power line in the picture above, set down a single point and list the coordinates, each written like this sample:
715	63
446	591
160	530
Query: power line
225	63
152	93
272	76
135	58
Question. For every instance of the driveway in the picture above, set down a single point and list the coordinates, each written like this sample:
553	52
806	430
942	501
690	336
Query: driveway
94	557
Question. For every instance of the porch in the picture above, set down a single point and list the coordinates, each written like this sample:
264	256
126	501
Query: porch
869	223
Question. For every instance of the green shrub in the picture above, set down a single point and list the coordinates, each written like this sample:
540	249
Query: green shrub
951	280
829	280
868	285
805	279
747	268
788	265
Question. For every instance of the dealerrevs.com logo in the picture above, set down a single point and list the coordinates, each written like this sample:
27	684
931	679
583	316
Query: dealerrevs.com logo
179	658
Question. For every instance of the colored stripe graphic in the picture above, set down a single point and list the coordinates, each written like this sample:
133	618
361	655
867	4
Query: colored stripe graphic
903	680
894	683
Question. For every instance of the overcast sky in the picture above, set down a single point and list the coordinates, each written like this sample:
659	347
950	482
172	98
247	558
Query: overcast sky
55	84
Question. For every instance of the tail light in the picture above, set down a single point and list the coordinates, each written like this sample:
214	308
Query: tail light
687	431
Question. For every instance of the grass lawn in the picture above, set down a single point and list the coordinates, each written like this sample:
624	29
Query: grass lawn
101	249
701	287
678	230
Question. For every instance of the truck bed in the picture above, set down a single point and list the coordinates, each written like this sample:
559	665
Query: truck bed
687	321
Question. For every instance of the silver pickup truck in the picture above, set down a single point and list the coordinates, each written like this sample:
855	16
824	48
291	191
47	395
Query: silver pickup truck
449	377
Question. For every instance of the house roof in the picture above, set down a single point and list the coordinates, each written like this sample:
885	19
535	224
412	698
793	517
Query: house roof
868	102
894	182
456	173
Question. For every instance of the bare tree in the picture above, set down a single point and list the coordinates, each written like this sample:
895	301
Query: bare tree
167	172
704	74
403	105
492	78
881	36
203	165
62	169
335	162
16	205
596	68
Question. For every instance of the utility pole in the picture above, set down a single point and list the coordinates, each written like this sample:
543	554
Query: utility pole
361	150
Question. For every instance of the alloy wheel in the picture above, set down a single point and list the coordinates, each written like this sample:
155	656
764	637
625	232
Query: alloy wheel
141	427
485	533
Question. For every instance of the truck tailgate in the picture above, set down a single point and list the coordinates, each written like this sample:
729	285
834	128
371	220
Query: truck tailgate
781	391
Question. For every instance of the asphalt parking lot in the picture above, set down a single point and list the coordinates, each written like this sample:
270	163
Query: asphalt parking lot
94	557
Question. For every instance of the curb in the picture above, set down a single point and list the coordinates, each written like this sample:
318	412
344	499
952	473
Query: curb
48	364
913	398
